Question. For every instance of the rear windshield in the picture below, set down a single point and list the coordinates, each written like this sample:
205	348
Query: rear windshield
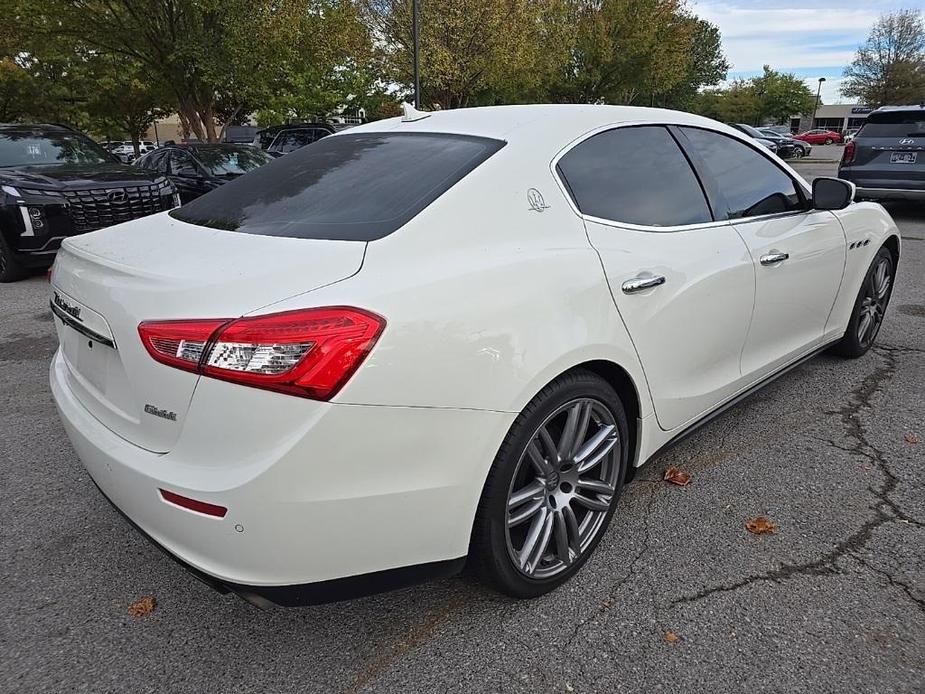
895	125
357	187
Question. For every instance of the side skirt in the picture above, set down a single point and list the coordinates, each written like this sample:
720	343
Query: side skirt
710	416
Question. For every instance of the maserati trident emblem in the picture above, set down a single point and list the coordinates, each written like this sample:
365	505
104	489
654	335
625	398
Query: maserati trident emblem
536	201
117	196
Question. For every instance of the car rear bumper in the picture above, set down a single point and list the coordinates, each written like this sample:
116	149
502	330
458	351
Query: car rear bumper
379	496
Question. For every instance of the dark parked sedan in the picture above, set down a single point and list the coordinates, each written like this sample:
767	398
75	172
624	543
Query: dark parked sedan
798	148
781	149
197	169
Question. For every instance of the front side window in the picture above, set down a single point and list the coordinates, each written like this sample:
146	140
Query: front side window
291	141
182	165
346	187
636	175
750	183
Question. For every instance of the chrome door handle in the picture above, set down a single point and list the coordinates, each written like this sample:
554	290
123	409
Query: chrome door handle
637	284
774	258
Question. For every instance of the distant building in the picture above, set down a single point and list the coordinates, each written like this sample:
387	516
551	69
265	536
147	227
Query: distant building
839	117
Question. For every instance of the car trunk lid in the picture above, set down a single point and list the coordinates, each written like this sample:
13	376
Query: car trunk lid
107	282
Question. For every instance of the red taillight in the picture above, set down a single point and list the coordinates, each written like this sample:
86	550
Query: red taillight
178	343
194	504
847	157
311	352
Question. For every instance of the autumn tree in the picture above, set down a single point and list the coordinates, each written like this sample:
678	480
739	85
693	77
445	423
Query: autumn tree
471	50
706	66
646	52
890	67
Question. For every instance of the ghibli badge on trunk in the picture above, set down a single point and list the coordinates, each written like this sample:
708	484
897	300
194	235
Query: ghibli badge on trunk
158	412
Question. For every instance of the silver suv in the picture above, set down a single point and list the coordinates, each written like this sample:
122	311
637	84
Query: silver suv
886	159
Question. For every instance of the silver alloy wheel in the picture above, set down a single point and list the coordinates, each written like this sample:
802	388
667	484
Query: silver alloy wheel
562	488
873	305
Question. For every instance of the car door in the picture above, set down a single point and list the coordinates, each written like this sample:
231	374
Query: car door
683	284
186	176
798	253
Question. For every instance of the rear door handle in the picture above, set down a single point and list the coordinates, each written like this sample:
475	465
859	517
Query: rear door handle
773	258
637	284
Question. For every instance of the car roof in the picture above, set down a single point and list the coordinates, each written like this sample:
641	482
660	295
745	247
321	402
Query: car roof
888	111
273	129
554	125
32	127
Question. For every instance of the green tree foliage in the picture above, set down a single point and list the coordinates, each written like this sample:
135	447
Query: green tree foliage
121	100
626	52
773	96
113	64
472	51
890	67
215	58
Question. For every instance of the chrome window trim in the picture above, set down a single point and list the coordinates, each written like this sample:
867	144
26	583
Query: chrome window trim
563	187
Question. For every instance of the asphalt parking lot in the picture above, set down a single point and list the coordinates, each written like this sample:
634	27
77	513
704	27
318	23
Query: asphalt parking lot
679	596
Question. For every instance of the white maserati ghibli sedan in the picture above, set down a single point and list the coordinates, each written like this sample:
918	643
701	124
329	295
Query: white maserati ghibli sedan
445	339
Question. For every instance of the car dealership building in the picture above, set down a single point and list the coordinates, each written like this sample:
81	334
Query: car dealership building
838	117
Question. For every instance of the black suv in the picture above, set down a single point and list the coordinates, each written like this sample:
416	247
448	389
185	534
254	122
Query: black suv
56	182
886	159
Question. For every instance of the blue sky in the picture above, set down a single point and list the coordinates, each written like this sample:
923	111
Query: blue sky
810	39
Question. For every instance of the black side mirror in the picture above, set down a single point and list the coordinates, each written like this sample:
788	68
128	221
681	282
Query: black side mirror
832	194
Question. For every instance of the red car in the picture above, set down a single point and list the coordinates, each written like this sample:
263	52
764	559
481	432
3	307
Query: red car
819	136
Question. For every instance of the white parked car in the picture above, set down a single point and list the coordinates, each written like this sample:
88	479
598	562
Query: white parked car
446	337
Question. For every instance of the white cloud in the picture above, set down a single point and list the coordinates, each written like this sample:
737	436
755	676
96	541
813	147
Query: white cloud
787	36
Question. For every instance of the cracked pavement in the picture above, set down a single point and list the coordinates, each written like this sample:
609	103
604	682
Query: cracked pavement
834	601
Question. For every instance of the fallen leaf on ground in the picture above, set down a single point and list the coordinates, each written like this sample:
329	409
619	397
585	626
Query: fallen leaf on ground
759	525
671	637
911	438
142	607
676	476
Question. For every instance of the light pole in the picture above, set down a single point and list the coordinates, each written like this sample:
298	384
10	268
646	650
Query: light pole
416	40
816	104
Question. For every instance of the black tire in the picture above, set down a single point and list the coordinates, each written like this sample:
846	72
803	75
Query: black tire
828	140
490	552
854	344
11	270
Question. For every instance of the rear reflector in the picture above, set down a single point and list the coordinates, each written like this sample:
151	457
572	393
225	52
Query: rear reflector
311	352
194	505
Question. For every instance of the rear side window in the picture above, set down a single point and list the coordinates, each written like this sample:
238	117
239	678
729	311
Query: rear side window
895	125
636	175
357	187
751	184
